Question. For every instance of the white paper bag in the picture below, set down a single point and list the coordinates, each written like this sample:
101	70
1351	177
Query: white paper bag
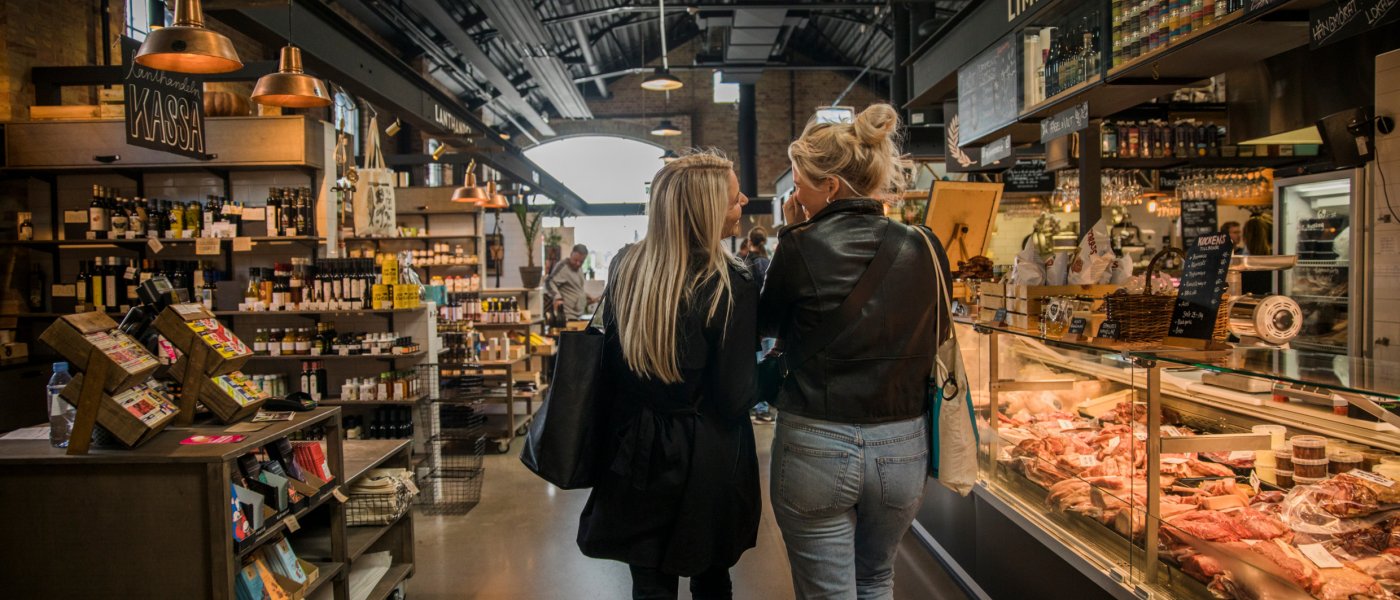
374	191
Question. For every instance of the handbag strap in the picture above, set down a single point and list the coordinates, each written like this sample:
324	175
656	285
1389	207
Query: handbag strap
945	300
845	317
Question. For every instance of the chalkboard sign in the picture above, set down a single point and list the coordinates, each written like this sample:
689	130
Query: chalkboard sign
1198	218
1000	316
989	90
996	151
1335	21
1202	284
1077	325
1065	122
1028	176
164	109
1167	181
1108	330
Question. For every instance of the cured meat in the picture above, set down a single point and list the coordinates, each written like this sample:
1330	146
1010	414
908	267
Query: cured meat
1347	584
1259	526
1385	568
1209	525
1292	564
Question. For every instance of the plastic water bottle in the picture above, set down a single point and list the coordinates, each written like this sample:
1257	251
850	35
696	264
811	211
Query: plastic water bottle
61	413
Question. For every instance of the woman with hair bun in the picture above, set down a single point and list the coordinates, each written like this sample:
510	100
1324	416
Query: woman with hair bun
851	448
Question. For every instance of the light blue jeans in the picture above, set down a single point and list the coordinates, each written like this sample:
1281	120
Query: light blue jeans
844	495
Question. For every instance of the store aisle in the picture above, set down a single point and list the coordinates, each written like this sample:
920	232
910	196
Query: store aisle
518	544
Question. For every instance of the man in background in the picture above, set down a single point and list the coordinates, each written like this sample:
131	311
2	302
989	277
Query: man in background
1232	229
564	286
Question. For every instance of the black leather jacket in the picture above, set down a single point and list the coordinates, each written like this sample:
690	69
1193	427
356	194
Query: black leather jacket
877	369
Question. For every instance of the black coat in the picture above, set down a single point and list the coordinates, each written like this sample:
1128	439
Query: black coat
877	370
682	491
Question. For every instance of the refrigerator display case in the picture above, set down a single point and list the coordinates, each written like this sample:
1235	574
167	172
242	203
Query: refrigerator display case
1314	218
1073	431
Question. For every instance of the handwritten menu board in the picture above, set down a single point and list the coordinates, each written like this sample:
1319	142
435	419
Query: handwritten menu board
1028	176
1198	218
989	90
164	109
1202	283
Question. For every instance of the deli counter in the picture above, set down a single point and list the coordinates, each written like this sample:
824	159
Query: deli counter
1277	473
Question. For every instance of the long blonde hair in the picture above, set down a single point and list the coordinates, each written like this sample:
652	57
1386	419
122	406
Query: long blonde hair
680	253
863	154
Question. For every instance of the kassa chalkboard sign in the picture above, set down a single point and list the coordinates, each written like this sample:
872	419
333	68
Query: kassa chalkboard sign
1202	285
164	109
1198	218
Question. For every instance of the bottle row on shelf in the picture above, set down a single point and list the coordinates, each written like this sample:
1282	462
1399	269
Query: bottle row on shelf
325	341
329	284
1063	56
387	423
464	345
489	310
106	283
1141	26
439	254
401	385
113	216
1156	138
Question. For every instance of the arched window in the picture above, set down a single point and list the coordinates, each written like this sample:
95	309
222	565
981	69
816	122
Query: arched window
347	119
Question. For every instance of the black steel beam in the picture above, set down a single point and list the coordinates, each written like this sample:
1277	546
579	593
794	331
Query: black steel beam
49	81
335	49
748	139
617	10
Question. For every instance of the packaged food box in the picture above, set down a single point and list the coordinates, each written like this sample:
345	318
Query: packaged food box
76	337
133	416
232	396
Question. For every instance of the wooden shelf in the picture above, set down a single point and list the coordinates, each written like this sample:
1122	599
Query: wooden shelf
363	455
396	575
274	529
1237	39
326	573
137	242
500	326
337	356
358	539
408	238
338	402
294	313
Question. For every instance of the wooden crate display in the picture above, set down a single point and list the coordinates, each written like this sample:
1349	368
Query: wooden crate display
232	396
187	324
133	416
75	337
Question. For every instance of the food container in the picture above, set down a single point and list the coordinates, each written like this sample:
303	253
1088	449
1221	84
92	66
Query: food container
1310	467
1371	457
1276	433
1283	479
1341	461
1266	474
1391	470
1311	447
1300	480
1283	459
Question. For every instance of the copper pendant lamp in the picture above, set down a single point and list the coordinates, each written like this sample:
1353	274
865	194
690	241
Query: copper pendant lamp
470	192
496	200
187	46
290	86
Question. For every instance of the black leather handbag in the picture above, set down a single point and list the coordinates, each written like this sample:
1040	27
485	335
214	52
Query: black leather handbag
774	368
562	443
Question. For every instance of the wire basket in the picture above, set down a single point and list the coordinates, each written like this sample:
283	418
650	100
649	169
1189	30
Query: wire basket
378	499
453	468
1143	318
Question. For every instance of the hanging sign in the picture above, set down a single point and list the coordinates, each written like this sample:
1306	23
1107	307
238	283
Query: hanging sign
1340	19
1028	176
164	109
1202	284
1065	122
1198	218
960	159
996	150
988	90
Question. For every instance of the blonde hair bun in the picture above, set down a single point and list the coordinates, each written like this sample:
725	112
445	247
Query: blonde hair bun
874	125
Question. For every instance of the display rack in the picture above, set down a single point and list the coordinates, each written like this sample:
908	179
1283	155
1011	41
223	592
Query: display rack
453	467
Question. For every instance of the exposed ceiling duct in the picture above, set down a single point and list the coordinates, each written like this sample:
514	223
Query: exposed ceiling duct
520	27
435	13
754	34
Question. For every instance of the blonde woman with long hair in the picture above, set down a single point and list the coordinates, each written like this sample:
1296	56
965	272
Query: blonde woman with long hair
679	496
851	447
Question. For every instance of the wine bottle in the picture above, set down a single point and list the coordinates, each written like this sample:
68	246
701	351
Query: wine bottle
99	219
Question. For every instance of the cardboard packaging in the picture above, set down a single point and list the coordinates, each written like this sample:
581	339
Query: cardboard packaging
77	337
133	416
231	397
187	324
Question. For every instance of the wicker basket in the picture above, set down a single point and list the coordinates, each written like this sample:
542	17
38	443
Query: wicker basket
1143	318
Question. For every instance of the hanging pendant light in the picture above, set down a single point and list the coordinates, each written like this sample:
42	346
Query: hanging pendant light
666	129
187	46
661	80
670	156
495	201
470	192
290	86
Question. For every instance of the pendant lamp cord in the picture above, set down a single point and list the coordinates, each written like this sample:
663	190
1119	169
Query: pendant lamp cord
665	60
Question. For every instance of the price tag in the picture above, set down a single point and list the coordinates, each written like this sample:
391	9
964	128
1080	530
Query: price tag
206	246
1078	325
339	496
242	244
1065	425
64	290
1087	460
155	245
1108	330
1320	556
1254	481
1114	442
75	216
1140	435
292	525
1380	480
1000	316
412	487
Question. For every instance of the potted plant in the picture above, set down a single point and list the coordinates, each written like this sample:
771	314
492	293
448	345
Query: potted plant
530	275
553	250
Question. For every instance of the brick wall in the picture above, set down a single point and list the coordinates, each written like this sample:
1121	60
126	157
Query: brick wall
50	33
785	101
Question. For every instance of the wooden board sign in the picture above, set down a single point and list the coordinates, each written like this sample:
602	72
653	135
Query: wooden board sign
1198	218
164	109
1202	284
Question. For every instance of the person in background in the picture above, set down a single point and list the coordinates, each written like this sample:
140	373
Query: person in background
677	493
1258	241
1232	229
743	254
851	447
564	286
757	260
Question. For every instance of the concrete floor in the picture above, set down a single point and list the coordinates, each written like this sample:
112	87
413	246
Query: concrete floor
519	544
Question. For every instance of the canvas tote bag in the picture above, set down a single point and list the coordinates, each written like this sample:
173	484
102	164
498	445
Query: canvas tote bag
374	191
952	424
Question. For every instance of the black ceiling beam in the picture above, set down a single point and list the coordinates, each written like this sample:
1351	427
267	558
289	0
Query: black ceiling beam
335	49
681	8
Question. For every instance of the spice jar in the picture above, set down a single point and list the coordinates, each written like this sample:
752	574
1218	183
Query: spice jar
1315	468
1283	479
1283	459
1300	480
1311	447
1341	461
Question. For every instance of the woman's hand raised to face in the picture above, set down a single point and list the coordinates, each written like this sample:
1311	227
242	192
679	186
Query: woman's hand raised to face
793	212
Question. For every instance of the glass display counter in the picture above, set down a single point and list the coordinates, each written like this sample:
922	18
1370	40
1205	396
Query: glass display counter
1275	470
